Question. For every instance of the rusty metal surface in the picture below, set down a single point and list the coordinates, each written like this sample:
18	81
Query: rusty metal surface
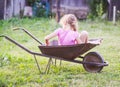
68	52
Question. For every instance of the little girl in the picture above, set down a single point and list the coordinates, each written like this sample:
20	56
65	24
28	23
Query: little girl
68	34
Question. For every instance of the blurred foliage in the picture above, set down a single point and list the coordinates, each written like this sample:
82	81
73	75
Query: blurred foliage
41	8
118	15
98	8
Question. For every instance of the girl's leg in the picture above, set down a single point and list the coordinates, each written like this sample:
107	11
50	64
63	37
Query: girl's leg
84	36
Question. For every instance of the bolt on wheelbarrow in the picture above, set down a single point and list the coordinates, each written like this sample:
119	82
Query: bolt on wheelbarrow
92	61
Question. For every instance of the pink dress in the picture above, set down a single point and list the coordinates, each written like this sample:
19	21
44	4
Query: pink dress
66	36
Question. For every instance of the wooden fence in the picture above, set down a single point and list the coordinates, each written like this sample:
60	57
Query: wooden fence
78	7
10	8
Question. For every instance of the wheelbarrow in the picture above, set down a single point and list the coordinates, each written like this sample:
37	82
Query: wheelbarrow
92	61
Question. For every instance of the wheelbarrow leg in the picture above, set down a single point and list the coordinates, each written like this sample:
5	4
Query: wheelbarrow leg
48	65
60	62
37	64
56	62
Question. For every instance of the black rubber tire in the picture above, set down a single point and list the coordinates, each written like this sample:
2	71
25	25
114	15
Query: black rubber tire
93	57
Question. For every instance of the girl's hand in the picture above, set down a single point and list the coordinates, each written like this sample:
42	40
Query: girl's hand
47	42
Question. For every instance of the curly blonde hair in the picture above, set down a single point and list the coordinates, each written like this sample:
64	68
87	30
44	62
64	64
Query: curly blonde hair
71	20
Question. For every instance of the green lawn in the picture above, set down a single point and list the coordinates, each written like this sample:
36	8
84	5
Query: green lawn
18	68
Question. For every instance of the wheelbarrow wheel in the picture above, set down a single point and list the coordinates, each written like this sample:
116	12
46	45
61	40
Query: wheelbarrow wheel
92	57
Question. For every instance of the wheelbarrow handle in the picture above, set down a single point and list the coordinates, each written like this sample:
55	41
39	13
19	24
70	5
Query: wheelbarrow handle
21	46
2	35
19	28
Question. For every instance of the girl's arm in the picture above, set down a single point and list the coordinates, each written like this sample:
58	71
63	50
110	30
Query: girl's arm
48	37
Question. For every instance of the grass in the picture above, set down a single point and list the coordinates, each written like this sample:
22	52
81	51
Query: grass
18	68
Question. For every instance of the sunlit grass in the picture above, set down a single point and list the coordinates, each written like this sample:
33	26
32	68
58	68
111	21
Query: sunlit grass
18	68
